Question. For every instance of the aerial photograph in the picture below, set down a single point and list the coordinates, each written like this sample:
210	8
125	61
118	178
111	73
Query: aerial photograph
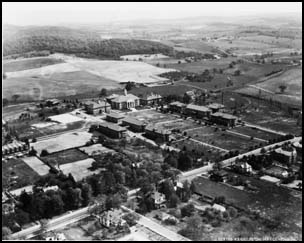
152	121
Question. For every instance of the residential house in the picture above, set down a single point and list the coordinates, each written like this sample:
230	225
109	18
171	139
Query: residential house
286	155
177	106
55	236
125	101
112	130
215	107
134	124
197	111
115	117
159	199
243	167
14	147
112	218
155	133
150	99
223	119
98	107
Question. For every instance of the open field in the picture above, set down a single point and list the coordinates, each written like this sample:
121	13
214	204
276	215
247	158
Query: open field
222	139
45	128
64	157
55	85
63	142
178	125
37	165
162	90
270	199
16	173
78	169
255	133
95	149
152	116
65	118
30	63
292	79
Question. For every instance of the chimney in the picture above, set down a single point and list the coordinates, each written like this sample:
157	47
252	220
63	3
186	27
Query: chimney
126	92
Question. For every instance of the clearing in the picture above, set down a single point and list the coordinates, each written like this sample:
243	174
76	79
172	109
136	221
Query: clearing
65	118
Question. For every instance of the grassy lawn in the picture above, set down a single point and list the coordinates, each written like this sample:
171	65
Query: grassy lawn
180	125
64	157
152	116
18	171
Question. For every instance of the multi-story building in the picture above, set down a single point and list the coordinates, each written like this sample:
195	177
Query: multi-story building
115	117
134	124
287	155
125	101
197	111
157	133
223	119
112	130
215	107
112	218
98	107
177	106
150	99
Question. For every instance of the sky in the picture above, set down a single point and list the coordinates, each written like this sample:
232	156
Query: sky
52	13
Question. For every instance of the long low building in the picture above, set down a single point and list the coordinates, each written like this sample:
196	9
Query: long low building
134	124
177	106
197	111
155	133
112	130
114	117
98	107
223	119
14	147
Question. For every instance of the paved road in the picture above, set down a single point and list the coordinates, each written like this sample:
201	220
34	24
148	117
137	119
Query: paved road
159	229
246	136
265	129
189	175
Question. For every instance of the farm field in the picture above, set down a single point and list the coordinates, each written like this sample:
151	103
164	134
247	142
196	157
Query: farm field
152	116
79	169
30	63
37	165
64	157
270	199
292	95
255	133
18	171
63	142
55	85
95	149
222	139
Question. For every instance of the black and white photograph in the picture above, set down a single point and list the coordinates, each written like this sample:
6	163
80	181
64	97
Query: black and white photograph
152	121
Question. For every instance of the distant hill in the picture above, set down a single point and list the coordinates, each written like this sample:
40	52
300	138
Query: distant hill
18	40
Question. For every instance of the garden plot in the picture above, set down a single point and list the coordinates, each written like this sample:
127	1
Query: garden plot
152	116
37	165
65	118
95	149
222	139
62	142
78	169
16	173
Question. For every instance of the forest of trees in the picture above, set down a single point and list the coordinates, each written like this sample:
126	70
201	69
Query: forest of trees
80	43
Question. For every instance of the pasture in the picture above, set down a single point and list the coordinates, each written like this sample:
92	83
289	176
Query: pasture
16	173
62	142
63	157
37	165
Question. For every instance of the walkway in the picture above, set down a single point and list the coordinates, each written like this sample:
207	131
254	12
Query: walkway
209	145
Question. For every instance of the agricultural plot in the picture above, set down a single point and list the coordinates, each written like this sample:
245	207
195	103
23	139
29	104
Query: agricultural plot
37	165
16	173
64	157
79	169
95	149
30	63
63	142
222	139
270	200
251	131
152	116
164	90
